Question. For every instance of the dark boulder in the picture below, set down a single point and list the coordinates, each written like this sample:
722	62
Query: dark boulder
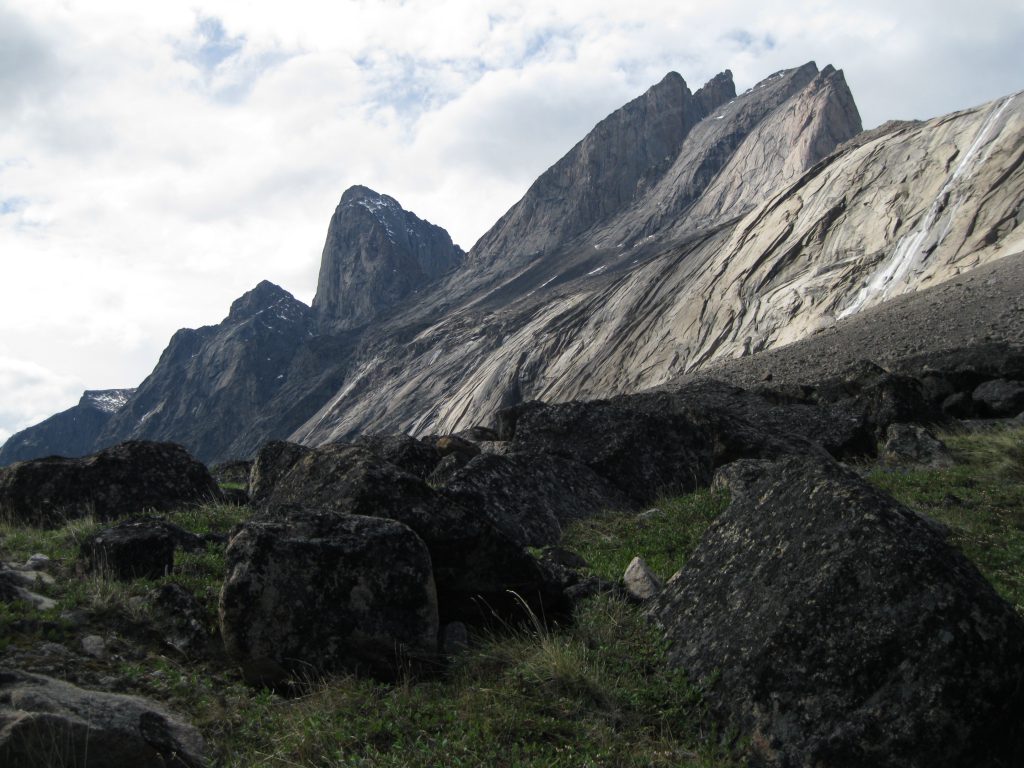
323	592
453	445
768	424
478	434
639	444
507	419
959	405
49	722
530	497
407	453
180	620
837	628
274	460
913	444
999	398
475	563
128	479
135	549
964	368
667	442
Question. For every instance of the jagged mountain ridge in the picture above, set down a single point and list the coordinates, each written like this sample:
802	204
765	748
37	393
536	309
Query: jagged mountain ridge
553	318
775	218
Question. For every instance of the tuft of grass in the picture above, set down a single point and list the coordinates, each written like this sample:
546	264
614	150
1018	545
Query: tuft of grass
664	538
980	499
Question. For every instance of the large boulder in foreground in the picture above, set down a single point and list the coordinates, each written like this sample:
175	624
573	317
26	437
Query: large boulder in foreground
838	628
476	564
128	479
49	722
322	592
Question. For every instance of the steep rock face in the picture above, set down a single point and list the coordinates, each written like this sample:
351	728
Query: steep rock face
559	327
376	255
70	433
894	211
213	382
618	162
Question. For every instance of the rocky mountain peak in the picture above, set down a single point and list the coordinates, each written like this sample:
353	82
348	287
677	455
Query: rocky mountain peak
716	91
624	155
376	255
264	296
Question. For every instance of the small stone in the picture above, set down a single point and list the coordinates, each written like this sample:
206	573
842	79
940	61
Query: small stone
95	646
37	562
640	581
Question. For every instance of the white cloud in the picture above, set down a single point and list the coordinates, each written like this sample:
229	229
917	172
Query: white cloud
31	393
157	160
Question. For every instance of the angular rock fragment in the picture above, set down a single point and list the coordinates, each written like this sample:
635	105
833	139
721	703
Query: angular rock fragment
999	398
141	549
640	582
322	592
911	443
836	627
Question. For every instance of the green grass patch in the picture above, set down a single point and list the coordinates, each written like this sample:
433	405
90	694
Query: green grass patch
664	538
595	694
981	499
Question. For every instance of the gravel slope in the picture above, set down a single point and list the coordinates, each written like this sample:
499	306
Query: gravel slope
984	304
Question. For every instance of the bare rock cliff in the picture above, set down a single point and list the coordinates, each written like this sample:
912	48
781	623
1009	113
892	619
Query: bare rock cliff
376	255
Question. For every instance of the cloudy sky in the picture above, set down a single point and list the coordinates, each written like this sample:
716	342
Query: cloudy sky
157	160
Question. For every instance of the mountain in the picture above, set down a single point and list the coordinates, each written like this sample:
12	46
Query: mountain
70	433
376	255
212	381
685	230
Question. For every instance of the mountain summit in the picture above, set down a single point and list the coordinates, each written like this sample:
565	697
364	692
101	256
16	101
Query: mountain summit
376	255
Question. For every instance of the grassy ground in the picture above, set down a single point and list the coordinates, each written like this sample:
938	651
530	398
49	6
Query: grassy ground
592	694
981	499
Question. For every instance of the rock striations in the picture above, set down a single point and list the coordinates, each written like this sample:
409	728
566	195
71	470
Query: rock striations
686	229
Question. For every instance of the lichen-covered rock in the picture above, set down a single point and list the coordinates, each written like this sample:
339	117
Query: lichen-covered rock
999	398
272	463
911	443
128	479
530	497
407	453
837	628
44	721
180	620
475	563
137	549
234	471
322	592
639	444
